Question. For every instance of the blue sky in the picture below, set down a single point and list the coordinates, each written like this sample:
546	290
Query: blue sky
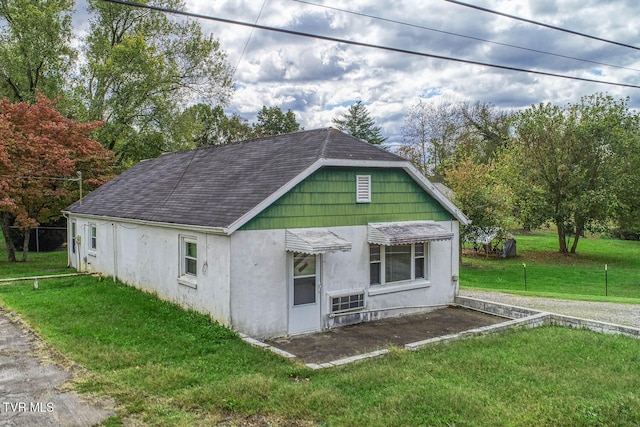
318	79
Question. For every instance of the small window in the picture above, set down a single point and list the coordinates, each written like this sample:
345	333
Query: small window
188	261
93	243
363	188
347	303
73	237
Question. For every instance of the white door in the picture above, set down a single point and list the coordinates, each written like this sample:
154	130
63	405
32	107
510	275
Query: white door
304	295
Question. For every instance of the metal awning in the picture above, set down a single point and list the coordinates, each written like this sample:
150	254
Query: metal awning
404	233
315	241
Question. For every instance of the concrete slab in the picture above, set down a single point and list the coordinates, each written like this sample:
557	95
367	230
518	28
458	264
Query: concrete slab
354	342
31	387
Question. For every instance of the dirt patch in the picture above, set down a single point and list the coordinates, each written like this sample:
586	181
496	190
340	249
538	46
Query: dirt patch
357	339
34	381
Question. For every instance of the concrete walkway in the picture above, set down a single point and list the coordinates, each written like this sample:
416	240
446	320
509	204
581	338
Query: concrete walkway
620	314
31	385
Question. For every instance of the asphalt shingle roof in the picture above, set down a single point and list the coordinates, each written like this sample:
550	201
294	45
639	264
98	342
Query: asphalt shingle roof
215	186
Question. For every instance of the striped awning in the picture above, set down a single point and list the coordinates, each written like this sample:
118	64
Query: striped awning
404	233
315	241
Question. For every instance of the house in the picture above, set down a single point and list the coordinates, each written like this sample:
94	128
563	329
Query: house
274	236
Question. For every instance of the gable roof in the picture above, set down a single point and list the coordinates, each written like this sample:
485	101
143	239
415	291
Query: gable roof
221	187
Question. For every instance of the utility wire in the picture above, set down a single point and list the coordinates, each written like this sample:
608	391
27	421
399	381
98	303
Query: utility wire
249	38
542	24
362	44
408	24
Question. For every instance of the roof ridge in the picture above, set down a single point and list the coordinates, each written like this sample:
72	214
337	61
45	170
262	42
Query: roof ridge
325	143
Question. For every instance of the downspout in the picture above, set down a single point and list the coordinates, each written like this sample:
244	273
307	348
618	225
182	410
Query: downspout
115	252
68	240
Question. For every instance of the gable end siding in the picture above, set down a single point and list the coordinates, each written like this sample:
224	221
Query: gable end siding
327	198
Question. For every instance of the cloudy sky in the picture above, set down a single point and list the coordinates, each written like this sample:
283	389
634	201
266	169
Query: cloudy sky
319	79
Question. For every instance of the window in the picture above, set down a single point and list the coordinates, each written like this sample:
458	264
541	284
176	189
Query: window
347	303
188	261
304	279
93	240
363	188
73	237
398	263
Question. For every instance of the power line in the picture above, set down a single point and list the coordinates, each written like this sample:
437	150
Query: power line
362	44
249	38
542	24
408	24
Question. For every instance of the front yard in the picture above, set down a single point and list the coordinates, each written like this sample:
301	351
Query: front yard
166	366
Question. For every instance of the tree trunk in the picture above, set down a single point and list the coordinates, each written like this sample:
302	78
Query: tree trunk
562	242
25	244
579	231
5	224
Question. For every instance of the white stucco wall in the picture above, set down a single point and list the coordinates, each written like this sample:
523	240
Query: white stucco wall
261	280
148	257
244	279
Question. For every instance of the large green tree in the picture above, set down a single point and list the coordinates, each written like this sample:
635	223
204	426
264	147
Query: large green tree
35	50
358	122
272	121
202	125
143	68
565	161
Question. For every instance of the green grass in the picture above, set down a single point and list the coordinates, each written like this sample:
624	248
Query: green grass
38	264
549	273
165	366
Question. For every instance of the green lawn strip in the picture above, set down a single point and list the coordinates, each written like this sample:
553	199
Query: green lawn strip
548	272
166	366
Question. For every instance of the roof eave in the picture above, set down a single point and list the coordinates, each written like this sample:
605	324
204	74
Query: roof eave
189	227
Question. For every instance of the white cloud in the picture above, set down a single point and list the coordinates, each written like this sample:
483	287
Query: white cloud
318	79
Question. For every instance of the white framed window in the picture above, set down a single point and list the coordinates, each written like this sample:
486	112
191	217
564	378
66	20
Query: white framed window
188	261
345	303
74	233
93	239
363	188
398	263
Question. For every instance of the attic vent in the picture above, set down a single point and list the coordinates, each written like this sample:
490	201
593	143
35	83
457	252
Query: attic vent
363	188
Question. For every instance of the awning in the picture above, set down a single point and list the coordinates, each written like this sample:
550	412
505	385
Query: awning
404	233
315	241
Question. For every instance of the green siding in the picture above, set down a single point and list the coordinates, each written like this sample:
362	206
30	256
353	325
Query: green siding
327	198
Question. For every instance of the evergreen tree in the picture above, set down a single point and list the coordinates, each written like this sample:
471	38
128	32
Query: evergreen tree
357	122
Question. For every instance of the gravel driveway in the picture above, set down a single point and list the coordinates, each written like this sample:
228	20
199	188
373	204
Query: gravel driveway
33	383
621	314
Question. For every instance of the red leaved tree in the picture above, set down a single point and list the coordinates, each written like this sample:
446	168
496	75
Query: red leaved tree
41	151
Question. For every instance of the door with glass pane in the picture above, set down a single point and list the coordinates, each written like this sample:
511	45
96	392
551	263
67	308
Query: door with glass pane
304	301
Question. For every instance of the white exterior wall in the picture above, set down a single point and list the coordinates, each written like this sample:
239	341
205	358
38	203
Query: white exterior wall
244	280
261	281
148	257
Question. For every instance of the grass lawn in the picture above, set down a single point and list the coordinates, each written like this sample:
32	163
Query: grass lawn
169	367
577	276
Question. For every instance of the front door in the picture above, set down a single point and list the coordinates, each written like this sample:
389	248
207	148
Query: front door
304	300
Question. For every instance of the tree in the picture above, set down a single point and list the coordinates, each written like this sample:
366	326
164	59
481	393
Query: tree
201	125
485	131
480	194
357	122
142	69
431	133
566	157
272	121
40	154
35	50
